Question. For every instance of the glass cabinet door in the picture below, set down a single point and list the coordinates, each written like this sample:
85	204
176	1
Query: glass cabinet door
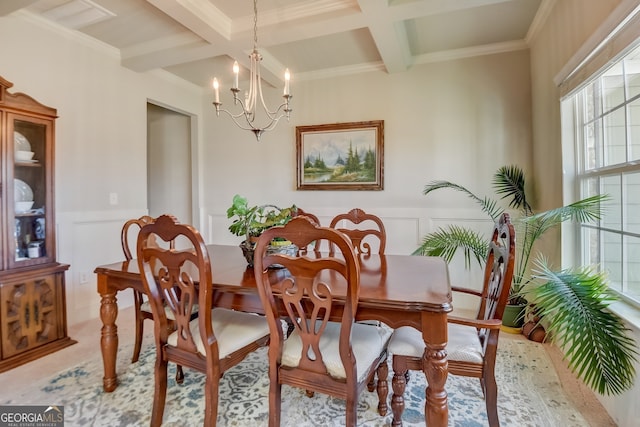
29	197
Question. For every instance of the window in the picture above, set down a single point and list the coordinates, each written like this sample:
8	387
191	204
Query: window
606	127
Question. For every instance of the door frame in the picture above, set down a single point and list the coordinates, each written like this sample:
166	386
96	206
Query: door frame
193	161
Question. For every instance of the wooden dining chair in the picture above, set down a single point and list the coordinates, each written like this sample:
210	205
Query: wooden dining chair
141	303
366	232
472	343
176	280
332	357
363	229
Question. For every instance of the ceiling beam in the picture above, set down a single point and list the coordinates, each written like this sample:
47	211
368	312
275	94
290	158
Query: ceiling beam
214	27
390	37
199	16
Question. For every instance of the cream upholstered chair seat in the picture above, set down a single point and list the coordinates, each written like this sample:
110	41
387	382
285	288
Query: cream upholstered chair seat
367	342
234	330
463	344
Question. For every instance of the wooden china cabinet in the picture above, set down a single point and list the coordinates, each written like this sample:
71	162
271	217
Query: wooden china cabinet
33	317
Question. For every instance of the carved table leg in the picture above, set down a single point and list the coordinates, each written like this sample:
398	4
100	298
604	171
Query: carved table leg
109	334
435	368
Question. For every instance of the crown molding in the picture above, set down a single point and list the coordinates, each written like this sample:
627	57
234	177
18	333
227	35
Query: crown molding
482	50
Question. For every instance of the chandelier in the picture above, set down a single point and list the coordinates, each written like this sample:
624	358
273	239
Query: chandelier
247	118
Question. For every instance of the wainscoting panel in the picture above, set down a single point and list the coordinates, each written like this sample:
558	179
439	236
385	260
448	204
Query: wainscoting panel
86	240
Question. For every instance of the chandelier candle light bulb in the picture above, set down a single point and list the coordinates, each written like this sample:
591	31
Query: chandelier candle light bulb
287	77
216	85
236	71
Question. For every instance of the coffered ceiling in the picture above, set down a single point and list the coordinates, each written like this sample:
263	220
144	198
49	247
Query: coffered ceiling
197	39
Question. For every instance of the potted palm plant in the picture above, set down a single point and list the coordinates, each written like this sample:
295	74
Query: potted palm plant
571	303
250	221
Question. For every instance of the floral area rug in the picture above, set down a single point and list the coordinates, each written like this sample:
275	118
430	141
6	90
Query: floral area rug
529	395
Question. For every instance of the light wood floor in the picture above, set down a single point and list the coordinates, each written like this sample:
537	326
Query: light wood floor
582	397
88	337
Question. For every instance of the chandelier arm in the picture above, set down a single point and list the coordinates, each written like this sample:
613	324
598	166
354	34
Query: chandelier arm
236	121
236	100
272	114
284	107
247	112
272	124
254	83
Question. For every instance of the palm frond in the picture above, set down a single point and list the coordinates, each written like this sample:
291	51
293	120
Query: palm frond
594	339
445	242
585	210
488	206
531	228
509	182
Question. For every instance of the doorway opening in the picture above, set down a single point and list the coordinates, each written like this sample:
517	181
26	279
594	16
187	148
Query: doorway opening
170	182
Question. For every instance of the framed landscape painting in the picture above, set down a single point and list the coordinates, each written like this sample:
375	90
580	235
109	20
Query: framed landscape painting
340	156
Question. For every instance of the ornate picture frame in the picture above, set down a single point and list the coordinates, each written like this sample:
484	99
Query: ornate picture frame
340	156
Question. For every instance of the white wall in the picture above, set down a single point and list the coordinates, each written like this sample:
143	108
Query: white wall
100	140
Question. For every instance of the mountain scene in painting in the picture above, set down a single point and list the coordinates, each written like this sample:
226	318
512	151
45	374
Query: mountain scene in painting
340	157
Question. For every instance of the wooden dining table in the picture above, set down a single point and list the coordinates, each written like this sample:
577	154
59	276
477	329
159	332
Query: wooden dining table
395	289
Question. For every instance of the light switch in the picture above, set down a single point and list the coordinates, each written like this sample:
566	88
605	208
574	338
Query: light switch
113	198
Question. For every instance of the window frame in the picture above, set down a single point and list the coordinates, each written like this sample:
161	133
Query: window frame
583	111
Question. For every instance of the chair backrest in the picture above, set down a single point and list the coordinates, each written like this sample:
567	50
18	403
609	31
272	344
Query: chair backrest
313	246
301	212
306	288
362	238
498	271
129	235
130	228
176	280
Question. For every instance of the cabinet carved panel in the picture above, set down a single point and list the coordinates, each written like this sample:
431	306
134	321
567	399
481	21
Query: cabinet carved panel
29	310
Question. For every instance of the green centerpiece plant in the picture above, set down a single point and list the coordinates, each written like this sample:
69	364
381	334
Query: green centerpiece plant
250	221
571	303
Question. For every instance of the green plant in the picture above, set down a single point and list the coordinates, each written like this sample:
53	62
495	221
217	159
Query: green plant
251	221
508	183
571	302
574	304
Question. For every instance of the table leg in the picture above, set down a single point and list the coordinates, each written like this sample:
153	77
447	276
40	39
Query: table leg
435	368
109	334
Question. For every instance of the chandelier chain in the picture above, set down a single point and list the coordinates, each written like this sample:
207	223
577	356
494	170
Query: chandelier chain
255	24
